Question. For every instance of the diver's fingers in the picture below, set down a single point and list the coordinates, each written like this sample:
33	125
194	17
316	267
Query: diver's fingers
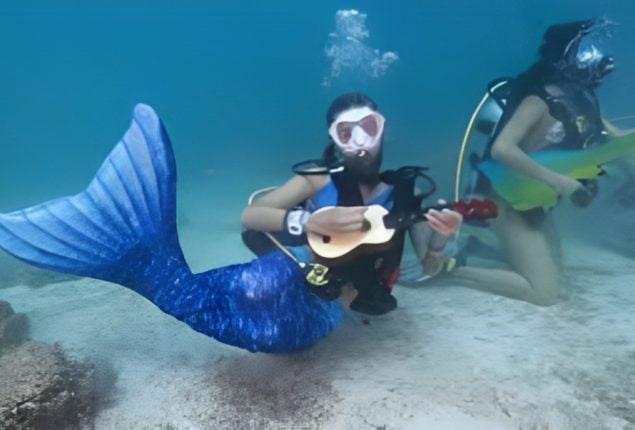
436	225
339	220
446	215
352	227
445	222
452	218
351	218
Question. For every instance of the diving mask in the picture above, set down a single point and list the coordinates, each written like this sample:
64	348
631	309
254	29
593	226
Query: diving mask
357	131
586	52
591	59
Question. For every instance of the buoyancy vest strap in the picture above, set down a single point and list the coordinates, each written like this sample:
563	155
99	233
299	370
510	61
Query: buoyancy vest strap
348	193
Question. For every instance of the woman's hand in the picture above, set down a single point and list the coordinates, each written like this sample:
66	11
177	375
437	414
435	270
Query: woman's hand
445	222
565	186
339	219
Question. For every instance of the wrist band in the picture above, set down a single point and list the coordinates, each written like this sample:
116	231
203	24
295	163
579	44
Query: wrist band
294	221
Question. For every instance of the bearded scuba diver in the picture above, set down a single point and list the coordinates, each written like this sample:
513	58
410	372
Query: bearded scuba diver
332	202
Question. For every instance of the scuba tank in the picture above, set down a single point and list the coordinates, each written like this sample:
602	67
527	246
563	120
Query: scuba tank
486	119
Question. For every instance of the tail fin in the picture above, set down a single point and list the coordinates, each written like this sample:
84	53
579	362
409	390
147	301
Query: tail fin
122	229
128	210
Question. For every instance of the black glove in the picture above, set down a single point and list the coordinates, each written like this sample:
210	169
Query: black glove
583	196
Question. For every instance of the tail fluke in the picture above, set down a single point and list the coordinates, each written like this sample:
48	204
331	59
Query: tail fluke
122	229
129	206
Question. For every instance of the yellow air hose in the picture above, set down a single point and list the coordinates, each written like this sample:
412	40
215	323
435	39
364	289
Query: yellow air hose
466	138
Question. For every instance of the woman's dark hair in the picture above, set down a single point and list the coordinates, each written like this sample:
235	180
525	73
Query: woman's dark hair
562	40
555	55
348	101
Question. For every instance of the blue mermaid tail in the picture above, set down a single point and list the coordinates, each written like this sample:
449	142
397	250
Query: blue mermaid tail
122	229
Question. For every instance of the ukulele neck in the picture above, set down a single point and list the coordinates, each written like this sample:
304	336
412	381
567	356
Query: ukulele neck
404	219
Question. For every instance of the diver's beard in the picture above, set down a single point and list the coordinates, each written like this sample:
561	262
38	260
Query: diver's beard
364	169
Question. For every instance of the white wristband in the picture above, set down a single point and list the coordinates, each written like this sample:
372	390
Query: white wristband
295	220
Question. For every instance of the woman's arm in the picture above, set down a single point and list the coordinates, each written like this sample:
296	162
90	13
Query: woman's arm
268	213
506	148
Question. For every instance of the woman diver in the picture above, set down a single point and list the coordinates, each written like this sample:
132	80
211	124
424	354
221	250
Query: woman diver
551	105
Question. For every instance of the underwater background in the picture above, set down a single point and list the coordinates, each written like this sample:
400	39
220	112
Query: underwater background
243	88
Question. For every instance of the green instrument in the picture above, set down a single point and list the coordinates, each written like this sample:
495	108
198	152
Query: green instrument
524	193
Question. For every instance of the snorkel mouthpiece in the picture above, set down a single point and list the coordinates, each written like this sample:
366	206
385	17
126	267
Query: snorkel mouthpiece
362	153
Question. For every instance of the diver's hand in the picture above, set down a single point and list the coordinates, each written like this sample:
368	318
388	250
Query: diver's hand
338	220
583	196
445	222
565	186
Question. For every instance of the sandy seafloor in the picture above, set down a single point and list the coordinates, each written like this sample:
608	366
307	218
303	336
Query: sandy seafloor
447	358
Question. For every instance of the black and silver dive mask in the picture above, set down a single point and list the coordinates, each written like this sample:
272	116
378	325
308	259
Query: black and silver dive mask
591	59
579	49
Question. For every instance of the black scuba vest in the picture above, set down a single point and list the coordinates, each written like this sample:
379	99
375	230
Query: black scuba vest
402	181
382	265
578	108
574	105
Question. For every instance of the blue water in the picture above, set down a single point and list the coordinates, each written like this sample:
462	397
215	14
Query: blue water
241	87
239	84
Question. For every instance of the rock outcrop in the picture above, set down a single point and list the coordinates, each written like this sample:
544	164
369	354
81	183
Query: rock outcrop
40	386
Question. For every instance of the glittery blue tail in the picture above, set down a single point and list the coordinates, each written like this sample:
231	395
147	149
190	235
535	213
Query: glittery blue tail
128	209
122	229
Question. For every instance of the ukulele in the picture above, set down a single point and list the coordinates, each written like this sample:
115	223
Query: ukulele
383	225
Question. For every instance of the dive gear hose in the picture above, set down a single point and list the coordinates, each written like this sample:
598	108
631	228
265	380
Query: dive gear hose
466	137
